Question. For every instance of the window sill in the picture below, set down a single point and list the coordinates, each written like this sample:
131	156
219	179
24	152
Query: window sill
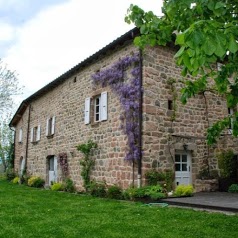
50	136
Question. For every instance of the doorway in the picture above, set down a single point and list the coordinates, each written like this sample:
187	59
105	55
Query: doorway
183	168
52	163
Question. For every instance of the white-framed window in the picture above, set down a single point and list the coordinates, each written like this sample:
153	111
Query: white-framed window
99	108
230	114
50	126
35	133
20	135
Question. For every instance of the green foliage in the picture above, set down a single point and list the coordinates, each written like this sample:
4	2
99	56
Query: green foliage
57	187
154	177
36	182
10	174
68	185
87	162
134	193
16	180
233	188
155	192
97	189
152	192
183	190
226	163
114	192
206	34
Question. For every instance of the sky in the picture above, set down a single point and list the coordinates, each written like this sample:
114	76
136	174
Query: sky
42	39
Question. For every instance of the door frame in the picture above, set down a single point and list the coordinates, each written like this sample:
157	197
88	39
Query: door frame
183	175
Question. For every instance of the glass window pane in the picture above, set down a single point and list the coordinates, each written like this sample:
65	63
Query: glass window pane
177	167
177	158
184	167
184	158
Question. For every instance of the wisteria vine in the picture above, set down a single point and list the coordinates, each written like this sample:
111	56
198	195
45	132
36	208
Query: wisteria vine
128	90
63	162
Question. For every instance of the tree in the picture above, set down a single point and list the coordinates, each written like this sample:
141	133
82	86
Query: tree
6	145
206	33
9	86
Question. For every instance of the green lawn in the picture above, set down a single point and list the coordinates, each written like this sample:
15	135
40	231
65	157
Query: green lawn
29	212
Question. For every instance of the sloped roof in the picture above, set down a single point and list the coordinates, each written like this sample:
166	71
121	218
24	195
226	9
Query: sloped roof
119	41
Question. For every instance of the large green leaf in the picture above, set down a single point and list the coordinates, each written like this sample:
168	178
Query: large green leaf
233	45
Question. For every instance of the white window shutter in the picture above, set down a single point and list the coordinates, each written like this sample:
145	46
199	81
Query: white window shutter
38	133
47	127
53	126
20	135
87	111
103	109
32	134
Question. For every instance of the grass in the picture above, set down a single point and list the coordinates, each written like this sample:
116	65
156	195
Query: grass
30	212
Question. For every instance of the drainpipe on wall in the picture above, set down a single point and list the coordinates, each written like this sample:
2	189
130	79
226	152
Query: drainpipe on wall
139	176
27	135
14	143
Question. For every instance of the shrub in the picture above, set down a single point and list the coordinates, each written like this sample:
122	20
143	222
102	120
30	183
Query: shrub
57	187
10	174
155	192
16	180
233	188
36	182
68	185
153	176
133	193
226	164
114	192
97	189
184	190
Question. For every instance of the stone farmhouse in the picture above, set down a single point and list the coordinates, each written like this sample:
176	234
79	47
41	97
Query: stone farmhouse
135	131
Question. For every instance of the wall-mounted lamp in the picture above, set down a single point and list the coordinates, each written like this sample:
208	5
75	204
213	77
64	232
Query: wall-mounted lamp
185	147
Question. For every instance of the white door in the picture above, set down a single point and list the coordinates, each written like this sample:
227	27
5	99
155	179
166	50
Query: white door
182	168
52	170
22	166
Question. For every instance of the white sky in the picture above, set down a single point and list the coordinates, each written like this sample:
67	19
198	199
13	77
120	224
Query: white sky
41	42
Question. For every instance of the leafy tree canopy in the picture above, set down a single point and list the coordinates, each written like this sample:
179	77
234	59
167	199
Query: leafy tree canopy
9	87
206	33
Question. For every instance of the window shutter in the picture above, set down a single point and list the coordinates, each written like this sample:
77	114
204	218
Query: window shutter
20	135
53	126
47	127
38	133
87	111
32	134
103	106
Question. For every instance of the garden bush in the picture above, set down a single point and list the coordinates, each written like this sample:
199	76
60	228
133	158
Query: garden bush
155	192
16	180
183	190
68	185
97	189
114	192
233	188
10	174
36	182
57	187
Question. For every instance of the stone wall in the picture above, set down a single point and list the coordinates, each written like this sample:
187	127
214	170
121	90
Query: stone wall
165	129
67	102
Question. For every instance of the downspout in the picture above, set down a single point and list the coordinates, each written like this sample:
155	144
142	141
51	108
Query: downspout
139	176
27	136
14	144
